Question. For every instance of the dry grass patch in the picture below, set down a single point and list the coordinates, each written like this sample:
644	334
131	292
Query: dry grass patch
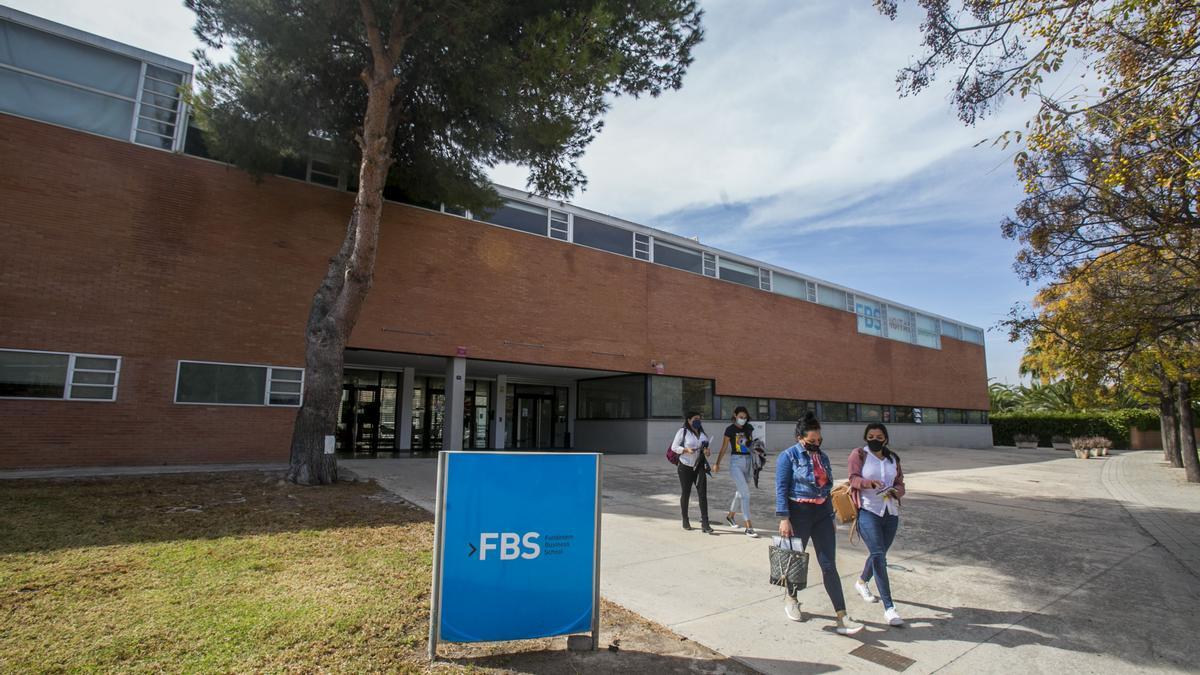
240	572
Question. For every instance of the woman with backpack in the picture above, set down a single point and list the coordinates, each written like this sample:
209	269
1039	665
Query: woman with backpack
739	440
691	444
803	482
876	486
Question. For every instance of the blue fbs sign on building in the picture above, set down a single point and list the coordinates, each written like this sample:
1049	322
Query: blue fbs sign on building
517	546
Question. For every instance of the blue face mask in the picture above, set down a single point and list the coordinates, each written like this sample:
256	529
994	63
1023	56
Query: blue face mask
697	426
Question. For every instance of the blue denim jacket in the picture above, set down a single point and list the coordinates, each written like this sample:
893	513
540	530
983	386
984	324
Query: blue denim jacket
795	478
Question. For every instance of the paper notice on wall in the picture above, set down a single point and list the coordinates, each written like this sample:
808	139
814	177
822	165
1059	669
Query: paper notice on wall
330	443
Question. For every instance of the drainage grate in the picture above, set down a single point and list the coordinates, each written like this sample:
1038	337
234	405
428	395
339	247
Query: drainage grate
883	657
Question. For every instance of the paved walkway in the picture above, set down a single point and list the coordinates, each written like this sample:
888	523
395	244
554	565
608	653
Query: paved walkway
1160	500
1006	561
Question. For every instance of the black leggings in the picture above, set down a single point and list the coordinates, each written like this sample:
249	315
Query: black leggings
815	521
688	475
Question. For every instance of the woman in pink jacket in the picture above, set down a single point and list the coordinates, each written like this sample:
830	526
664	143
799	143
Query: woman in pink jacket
876	485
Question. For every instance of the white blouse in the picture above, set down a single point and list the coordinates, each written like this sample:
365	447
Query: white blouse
883	471
688	441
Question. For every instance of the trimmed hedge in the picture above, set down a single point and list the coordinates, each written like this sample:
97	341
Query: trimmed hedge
1111	424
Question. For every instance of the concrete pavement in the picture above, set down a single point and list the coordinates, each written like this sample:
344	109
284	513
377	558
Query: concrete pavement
1006	561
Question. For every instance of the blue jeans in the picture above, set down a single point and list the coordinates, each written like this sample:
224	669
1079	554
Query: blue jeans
740	467
815	521
878	533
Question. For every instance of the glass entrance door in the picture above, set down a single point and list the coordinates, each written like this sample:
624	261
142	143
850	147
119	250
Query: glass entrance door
366	418
359	423
535	421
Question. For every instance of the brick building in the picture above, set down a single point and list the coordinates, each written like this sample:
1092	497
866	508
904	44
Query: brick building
152	304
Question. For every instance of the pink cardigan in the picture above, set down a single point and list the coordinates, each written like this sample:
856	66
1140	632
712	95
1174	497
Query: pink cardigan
858	457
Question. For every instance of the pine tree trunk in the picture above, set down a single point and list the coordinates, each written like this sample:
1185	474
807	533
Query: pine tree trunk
1187	434
1169	425
338	300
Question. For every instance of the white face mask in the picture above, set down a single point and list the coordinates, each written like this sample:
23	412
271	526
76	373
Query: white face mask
740	421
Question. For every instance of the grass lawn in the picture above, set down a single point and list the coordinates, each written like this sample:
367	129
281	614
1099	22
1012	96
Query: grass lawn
240	572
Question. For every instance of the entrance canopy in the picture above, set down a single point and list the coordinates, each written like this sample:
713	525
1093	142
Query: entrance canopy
395	402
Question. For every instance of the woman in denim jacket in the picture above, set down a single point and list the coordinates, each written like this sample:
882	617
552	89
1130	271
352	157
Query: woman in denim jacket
803	481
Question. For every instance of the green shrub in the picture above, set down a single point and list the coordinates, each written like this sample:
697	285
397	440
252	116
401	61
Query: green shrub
1111	424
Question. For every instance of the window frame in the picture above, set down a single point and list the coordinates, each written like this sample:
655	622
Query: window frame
69	382
602	224
642	246
266	388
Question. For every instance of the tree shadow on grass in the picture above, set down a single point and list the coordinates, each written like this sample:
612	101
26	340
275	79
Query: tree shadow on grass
55	514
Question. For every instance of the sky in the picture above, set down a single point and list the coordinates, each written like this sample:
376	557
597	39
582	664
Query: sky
787	143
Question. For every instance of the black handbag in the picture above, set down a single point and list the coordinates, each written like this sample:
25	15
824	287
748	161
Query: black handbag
789	567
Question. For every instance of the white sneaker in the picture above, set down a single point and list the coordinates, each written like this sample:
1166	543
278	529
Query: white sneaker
791	607
865	591
751	533
848	626
893	617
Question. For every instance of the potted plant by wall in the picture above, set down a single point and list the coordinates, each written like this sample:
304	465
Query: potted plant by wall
1025	441
1101	446
1061	443
1081	446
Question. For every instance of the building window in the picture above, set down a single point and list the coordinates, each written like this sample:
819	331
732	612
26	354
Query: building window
870	316
323	173
952	416
710	265
927	332
679	258
901	324
71	83
903	415
788	410
764	279
759	408
674	397
738	273
57	375
595	234
927	416
951	330
612	398
560	227
789	286
973	335
236	384
519	216
159	108
870	413
838	412
641	246
832	297
975	417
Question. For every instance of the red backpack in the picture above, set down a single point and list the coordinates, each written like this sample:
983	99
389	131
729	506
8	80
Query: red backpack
672	456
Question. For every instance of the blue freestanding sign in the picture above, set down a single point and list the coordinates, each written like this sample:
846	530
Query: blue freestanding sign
516	553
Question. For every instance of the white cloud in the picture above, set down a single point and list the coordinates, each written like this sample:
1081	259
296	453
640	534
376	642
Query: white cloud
781	100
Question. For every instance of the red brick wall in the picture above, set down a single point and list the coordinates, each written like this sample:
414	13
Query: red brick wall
111	248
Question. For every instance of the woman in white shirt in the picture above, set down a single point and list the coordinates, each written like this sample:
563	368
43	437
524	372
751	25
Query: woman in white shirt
691	444
876	485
